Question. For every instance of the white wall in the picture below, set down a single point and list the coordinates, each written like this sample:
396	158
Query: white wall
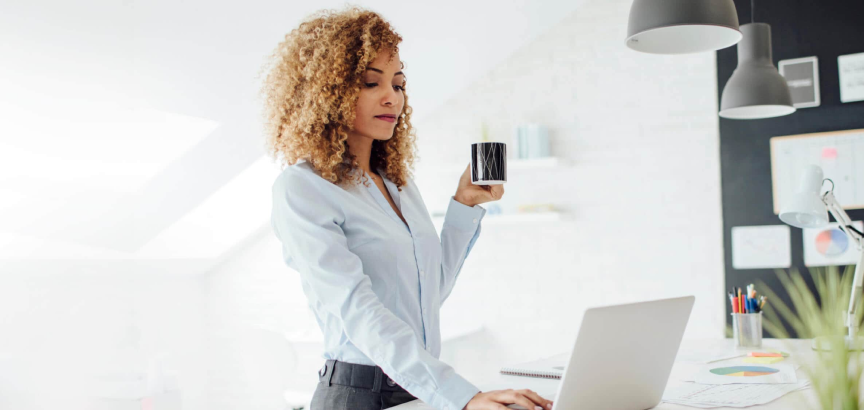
641	132
643	193
254	301
65	339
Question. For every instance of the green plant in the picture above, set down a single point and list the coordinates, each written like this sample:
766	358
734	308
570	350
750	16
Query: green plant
835	373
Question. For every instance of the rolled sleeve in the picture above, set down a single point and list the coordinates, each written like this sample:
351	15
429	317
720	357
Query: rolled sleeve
334	280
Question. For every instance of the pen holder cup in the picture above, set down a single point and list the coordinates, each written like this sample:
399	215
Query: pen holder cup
747	329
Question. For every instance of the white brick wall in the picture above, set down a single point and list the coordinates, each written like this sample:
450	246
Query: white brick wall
644	189
643	192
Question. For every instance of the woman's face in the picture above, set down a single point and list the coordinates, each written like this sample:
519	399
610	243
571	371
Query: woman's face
381	94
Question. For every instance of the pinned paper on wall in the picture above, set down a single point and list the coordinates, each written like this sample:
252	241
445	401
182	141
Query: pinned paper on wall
761	247
802	76
829	246
839	153
851	70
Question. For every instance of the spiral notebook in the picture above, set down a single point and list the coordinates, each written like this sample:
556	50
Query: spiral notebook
549	368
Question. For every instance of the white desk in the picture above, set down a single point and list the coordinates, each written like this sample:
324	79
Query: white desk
680	371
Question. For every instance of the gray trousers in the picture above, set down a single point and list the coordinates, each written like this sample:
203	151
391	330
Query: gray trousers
349	386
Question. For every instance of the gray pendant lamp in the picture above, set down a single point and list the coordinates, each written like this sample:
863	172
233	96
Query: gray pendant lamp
756	89
682	26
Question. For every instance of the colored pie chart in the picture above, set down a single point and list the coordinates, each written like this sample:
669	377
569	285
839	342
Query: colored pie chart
744	371
832	242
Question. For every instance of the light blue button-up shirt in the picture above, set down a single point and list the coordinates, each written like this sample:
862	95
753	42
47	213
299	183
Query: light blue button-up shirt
374	284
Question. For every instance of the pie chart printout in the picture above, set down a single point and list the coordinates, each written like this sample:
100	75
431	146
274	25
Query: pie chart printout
831	242
744	371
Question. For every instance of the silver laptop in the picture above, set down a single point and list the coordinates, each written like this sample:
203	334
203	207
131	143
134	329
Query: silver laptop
623	356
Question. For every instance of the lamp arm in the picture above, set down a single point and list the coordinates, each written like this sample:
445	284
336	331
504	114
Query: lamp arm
837	211
858	282
843	219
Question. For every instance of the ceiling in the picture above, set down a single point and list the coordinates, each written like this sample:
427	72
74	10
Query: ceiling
130	131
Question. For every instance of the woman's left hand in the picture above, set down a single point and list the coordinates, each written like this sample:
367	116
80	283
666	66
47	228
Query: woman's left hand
470	194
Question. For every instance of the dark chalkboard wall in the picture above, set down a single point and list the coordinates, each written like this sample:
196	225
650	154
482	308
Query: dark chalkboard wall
799	28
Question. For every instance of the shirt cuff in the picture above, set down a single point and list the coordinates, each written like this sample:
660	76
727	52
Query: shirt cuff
463	217
454	394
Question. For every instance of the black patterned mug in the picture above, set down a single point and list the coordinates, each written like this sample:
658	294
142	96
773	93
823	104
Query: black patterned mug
488	163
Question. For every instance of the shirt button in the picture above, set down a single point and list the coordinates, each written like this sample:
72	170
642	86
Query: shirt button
475	220
422	273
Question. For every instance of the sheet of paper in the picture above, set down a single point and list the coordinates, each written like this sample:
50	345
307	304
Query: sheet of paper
837	153
691	378
744	373
851	70
828	246
802	76
763	360
730	395
761	247
769	353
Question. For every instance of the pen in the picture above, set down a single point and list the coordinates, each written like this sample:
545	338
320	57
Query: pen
746	300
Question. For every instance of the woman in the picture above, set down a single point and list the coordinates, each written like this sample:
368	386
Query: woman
371	263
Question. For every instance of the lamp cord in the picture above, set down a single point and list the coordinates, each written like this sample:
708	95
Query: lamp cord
752	11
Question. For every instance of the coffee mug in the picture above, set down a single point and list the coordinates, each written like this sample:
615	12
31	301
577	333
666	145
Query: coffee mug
488	163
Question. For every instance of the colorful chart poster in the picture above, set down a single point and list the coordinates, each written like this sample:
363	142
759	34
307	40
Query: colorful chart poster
829	246
746	374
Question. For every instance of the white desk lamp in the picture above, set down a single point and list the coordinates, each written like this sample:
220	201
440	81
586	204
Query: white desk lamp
809	209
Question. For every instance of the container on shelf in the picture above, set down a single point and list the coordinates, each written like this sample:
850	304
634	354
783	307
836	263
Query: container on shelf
531	141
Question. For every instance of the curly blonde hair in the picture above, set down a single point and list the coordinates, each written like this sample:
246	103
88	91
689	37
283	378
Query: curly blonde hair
311	90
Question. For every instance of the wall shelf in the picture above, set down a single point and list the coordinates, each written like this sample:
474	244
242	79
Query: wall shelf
532	163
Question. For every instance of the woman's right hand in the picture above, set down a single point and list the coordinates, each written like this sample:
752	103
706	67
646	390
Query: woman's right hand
499	399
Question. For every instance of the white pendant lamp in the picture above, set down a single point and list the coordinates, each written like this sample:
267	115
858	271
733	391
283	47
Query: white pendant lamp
682	26
756	89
